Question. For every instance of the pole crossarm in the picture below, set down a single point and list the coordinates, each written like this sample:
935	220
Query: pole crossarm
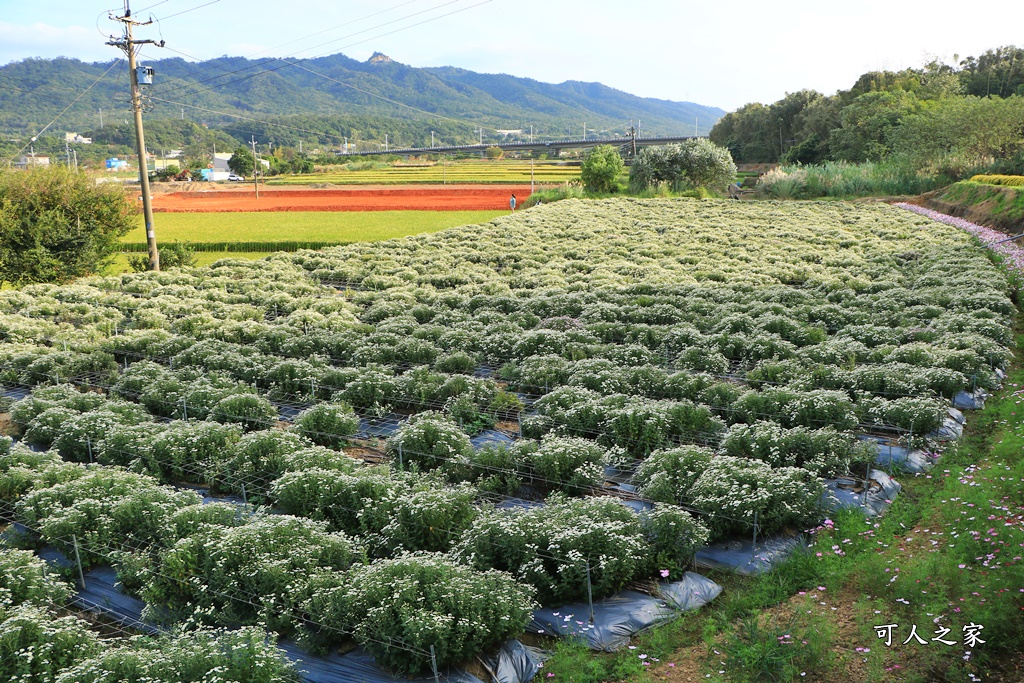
129	45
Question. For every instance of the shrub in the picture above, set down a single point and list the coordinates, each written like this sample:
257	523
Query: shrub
251	574
24	579
245	655
668	475
825	452
428	518
248	410
731	489
674	537
78	437
564	463
916	415
427	440
174	254
189	451
549	547
320	457
336	497
48	425
256	459
464	411
601	168
697	162
458	362
59	396
37	646
699	359
372	386
1005	180
495	468
57	224
105	509
422	600
821	408
22	469
327	424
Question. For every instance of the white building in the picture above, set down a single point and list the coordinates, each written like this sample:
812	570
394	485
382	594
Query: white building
25	160
75	137
220	161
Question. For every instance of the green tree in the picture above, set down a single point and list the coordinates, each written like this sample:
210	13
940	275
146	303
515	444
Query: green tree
697	162
57	224
867	122
242	161
601	168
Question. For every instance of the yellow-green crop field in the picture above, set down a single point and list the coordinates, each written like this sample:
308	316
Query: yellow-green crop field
501	171
303	226
254	235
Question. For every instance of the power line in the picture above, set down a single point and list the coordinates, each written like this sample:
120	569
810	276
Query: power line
187	86
75	101
268	61
287	63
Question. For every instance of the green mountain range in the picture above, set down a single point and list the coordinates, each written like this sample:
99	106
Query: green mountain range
322	101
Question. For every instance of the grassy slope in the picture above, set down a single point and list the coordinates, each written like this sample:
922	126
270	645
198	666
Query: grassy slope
950	548
993	205
340	226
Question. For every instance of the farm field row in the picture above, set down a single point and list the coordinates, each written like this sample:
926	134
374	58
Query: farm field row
304	226
508	385
452	172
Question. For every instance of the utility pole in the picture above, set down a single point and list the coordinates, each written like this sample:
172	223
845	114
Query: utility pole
255	165
183	113
130	47
431	139
101	118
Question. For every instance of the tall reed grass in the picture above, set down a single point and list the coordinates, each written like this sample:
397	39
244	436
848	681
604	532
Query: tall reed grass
843	180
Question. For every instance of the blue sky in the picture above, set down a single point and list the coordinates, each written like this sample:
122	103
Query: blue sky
707	52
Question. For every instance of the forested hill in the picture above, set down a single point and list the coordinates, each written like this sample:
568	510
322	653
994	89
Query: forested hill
949	117
448	100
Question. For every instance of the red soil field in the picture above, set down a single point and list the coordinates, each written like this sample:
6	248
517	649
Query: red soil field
419	198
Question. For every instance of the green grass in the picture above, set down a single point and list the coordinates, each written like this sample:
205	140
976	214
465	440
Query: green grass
1004	205
304	226
465	171
203	258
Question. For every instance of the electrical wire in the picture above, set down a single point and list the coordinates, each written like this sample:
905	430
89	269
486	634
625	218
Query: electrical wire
189	86
268	61
57	117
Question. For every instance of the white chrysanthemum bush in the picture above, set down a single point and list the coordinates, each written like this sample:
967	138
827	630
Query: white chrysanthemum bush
726	354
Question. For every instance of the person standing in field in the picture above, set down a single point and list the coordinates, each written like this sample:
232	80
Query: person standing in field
512	202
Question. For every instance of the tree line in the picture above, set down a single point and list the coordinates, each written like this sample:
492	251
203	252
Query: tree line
940	118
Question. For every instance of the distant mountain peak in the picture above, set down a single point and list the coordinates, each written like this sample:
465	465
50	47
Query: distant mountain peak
379	58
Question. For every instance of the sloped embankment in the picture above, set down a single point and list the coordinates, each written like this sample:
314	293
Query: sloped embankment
994	206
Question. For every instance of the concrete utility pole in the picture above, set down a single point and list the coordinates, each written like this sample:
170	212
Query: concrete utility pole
130	47
255	166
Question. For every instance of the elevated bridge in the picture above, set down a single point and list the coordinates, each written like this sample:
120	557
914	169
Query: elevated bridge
553	148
